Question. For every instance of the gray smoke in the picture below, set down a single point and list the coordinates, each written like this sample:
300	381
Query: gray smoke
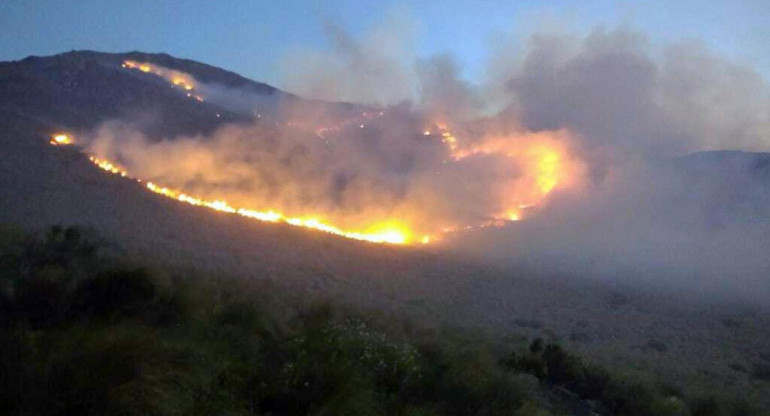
647	210
650	213
375	70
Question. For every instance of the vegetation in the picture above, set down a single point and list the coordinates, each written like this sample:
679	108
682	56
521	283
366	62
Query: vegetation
83	333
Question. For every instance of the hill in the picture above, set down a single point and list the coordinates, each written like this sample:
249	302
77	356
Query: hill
698	344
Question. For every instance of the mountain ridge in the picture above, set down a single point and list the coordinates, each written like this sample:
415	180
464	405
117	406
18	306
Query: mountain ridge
78	90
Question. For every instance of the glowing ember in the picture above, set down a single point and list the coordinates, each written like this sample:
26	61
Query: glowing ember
540	164
544	157
449	140
176	78
61	140
322	131
108	166
390	232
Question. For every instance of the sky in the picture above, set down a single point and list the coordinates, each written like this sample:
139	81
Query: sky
252	37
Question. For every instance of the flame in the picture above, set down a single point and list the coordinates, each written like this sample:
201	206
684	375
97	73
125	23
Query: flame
548	166
547	160
108	166
178	79
391	232
61	140
543	160
545	157
450	140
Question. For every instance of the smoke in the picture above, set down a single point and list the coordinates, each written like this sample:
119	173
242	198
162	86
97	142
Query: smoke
651	213
612	91
443	95
375	70
698	223
589	140
386	173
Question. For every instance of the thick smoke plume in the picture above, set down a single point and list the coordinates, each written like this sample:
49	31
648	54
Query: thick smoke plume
375	70
588	140
386	173
653	211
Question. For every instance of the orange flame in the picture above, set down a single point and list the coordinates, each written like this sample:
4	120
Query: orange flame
391	232
545	157
544	161
178	79
61	140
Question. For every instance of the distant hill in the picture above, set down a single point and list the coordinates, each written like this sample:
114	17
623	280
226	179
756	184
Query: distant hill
78	90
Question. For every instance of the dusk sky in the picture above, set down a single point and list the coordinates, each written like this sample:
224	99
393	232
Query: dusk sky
251	37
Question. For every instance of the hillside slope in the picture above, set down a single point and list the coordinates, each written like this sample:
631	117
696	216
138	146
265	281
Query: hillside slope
41	185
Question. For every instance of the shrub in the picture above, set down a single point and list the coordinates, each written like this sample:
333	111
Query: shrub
761	372
41	301
231	350
561	368
670	406
120	293
628	398
706	406
473	384
536	346
70	248
12	371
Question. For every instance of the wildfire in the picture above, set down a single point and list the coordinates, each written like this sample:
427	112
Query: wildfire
176	78
108	166
61	140
392	232
361	120
543	164
545	156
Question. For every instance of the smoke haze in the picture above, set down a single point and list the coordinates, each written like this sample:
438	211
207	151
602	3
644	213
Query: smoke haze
588	140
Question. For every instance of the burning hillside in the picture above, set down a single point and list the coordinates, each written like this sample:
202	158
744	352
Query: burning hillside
176	78
360	178
401	175
527	167
387	233
547	162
